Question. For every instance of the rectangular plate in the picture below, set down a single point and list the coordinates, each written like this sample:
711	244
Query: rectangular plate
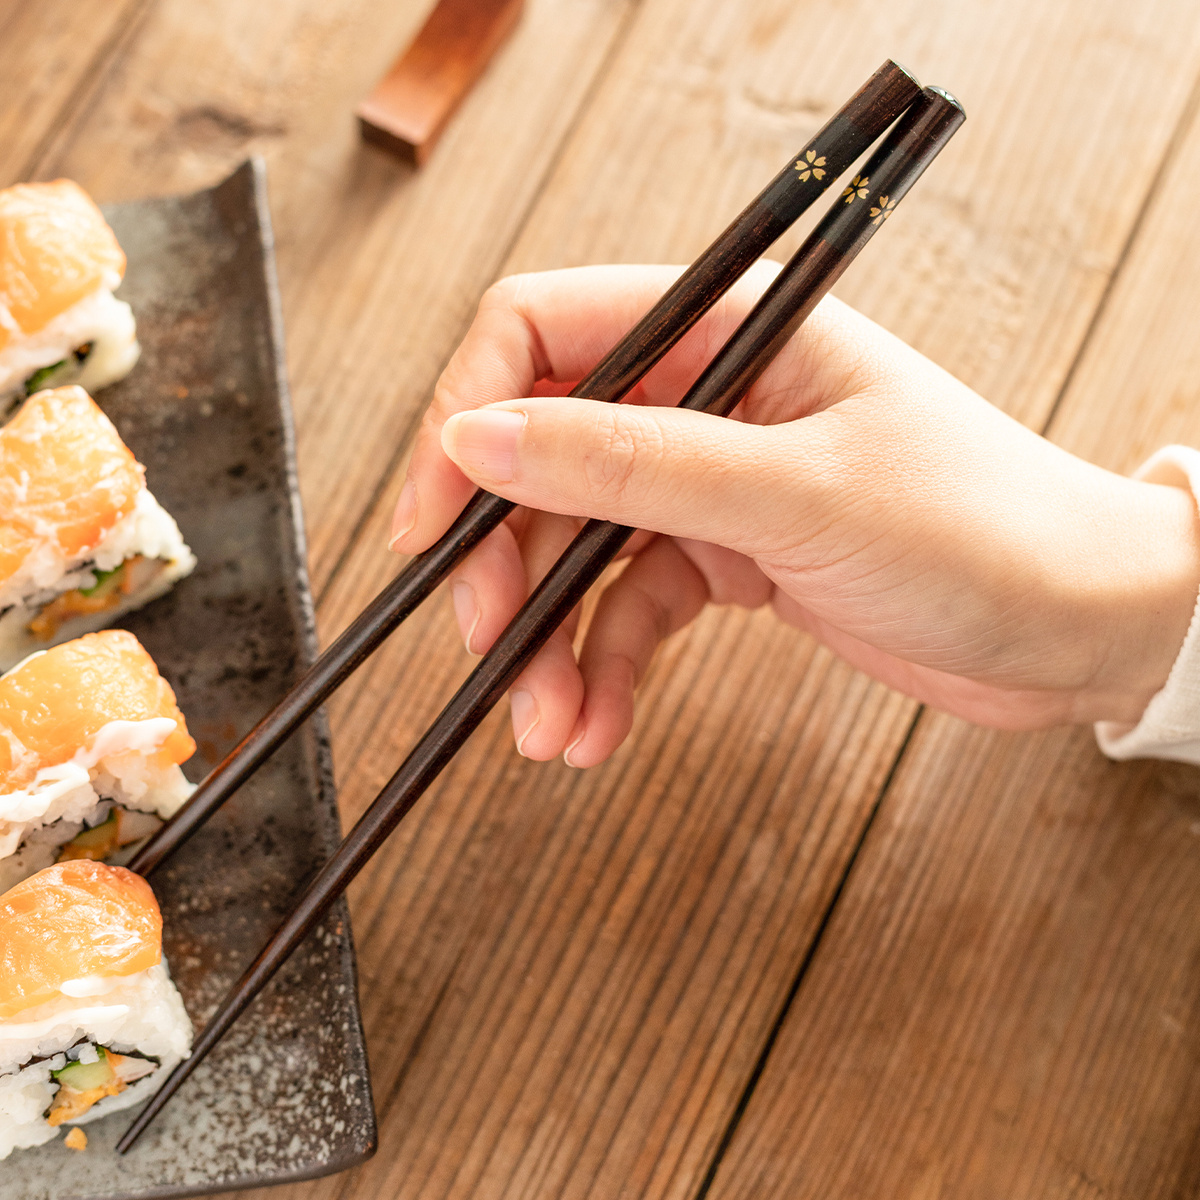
286	1096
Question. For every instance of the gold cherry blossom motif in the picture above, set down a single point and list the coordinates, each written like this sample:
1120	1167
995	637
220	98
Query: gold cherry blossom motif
857	189
882	211
811	165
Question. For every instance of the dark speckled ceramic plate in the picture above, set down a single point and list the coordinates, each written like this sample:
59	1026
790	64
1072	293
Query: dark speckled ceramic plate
286	1096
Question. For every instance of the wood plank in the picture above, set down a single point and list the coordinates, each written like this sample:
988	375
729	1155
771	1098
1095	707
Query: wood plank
380	266
1006	1001
51	55
568	978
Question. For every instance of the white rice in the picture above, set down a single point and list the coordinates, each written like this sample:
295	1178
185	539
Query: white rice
148	531
99	318
38	820
137	1014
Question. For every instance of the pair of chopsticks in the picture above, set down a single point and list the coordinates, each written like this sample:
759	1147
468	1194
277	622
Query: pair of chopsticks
930	118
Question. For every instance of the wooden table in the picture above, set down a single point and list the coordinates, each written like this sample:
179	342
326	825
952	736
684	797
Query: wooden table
799	938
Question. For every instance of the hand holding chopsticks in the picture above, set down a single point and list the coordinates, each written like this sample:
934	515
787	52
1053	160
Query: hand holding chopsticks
801	182
825	254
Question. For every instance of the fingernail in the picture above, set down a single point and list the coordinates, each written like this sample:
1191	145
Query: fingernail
485	441
405	516
524	716
567	752
466	610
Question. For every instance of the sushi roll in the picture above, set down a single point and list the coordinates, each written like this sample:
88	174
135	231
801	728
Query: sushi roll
59	320
81	538
90	1022
90	745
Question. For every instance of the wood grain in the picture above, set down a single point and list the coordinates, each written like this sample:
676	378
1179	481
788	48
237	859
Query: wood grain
45	77
475	1100
1006	1002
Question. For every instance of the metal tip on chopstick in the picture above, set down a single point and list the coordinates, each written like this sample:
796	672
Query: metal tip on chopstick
945	95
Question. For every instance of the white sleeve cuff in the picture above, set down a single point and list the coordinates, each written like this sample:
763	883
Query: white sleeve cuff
1170	726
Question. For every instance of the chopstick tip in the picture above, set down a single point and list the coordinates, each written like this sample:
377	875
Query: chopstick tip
157	1103
132	1134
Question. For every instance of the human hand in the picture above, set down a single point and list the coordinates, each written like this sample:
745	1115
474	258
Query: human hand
867	495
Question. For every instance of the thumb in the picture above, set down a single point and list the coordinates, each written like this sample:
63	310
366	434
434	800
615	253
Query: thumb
674	471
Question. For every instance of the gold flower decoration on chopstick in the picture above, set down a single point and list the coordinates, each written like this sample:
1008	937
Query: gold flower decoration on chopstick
857	189
882	210
811	165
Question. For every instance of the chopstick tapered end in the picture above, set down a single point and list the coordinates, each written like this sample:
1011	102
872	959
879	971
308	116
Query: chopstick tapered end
157	1102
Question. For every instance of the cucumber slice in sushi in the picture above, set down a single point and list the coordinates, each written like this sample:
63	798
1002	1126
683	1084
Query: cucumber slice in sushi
85	1077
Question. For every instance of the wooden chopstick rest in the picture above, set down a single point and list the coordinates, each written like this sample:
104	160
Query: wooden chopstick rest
413	102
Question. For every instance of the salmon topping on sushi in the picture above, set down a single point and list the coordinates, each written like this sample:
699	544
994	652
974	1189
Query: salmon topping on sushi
91	739
65	478
74	921
56	703
55	248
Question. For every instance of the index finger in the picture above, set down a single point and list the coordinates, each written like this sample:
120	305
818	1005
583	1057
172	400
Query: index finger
553	325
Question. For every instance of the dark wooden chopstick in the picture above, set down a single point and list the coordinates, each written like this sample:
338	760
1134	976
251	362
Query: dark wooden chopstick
836	146
913	144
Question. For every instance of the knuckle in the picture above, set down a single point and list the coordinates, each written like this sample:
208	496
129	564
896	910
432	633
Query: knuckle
507	315
652	614
500	294
628	454
447	400
507	294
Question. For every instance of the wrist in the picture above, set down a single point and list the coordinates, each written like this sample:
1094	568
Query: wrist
1150	598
